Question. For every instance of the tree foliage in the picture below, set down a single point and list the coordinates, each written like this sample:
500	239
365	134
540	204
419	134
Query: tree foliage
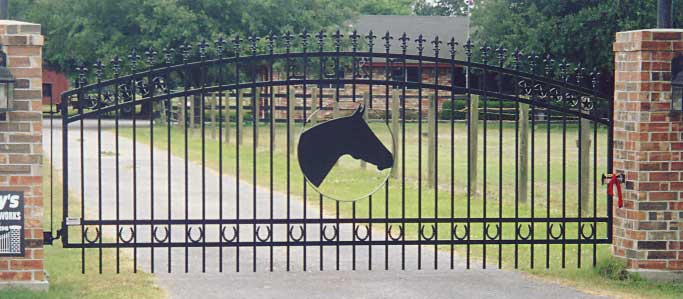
582	31
440	7
386	7
84	30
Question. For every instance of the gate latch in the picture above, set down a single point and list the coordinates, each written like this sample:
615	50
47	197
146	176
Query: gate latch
614	180
606	178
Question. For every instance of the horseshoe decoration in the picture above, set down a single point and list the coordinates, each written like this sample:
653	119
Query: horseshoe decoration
291	234
592	231
432	236
400	233
550	231
235	233
98	235
518	231
161	240
487	229
126	241
357	236
454	232
193	240
335	234
257	234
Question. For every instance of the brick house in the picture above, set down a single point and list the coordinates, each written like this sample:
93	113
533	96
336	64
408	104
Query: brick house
430	27
54	84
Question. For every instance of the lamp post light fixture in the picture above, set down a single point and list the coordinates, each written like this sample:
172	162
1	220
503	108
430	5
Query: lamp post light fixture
6	86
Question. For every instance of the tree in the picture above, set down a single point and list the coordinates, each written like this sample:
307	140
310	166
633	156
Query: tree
440	7
582	31
84	30
386	7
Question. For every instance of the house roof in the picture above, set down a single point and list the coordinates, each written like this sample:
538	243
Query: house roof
445	27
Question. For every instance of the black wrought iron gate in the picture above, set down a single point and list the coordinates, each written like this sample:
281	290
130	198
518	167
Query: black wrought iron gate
163	163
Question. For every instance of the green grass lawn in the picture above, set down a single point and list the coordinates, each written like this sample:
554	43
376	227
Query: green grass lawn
346	180
64	268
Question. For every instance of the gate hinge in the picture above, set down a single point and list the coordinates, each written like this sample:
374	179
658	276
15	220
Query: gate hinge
48	238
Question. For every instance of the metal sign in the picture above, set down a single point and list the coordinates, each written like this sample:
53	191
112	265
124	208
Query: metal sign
12	241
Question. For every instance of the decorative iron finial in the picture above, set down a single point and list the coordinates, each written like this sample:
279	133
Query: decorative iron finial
237	45
321	39
337	40
387	41
354	40
371	40
468	49
150	55
452	44
201	48
185	51
99	69
517	59
533	61
134	58
436	42
579	74
595	78
116	65
253	42
549	65
404	42
564	66
220	45
502	52
82	71
420	44
304	39
288	37
271	38
168	55
485	52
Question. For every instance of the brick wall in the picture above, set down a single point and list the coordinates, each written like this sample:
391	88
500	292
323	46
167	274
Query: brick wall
648	148
21	149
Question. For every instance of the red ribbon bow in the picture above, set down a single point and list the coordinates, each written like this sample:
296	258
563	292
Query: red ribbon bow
614	181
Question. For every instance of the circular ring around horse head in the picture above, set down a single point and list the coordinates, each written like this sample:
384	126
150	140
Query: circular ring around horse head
374	190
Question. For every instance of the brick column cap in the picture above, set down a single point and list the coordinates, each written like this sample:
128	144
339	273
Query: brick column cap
656	39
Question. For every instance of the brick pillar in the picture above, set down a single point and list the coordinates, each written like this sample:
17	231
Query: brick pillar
648	149
21	150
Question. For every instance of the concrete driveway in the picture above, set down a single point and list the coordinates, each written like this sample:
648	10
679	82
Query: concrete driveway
345	283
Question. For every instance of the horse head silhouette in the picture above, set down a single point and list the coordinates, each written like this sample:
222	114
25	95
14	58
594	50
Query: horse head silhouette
322	145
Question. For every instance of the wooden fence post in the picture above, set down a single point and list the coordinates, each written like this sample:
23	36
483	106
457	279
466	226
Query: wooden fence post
162	111
291	105
182	119
473	143
314	107
192	113
523	176
395	99
226	117
239	103
335	108
431	137
213	117
584	172
256	109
